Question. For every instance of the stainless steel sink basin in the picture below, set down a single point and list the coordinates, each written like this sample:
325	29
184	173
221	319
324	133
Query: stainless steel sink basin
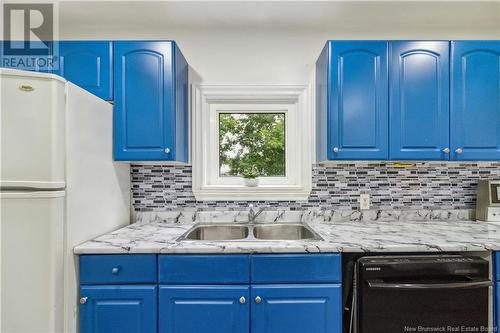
250	232
285	232
216	232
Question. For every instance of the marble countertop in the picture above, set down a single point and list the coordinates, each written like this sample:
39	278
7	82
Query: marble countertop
373	236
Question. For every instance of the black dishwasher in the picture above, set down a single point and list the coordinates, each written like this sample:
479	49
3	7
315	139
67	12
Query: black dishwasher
437	293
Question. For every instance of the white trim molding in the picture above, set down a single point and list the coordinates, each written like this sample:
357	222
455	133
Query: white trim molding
292	100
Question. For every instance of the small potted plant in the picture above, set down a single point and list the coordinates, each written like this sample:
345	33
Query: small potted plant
250	177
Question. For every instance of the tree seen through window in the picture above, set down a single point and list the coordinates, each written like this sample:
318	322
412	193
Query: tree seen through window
252	142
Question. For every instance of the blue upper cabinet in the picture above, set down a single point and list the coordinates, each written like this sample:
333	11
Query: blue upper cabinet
118	309
204	309
351	101
151	107
88	64
297	308
475	100
419	100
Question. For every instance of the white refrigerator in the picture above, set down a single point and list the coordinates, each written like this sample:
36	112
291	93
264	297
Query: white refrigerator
59	187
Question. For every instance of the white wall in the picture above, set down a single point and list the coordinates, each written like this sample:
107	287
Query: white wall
227	42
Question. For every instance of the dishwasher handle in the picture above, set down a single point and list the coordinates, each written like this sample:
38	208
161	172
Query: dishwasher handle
378	284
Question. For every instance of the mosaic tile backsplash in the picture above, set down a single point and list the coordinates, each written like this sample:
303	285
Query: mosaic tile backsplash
425	185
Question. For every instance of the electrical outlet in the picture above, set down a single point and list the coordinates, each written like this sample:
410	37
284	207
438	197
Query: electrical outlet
364	201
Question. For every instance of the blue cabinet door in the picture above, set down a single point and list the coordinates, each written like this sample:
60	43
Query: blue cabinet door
39	61
357	106
88	64
496	262
278	308
496	321
475	100
496	301
204	309
419	100
144	122
118	309
150	119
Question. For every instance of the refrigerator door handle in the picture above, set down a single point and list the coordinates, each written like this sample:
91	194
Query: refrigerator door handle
379	284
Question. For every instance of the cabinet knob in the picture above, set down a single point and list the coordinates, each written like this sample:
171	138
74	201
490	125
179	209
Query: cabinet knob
243	300
335	150
83	300
258	300
167	150
458	151
446	150
115	270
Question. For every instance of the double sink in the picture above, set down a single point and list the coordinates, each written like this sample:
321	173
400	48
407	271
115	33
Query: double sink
250	232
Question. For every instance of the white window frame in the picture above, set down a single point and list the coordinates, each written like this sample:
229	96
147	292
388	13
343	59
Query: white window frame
209	101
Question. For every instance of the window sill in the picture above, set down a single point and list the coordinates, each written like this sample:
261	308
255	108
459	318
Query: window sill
258	193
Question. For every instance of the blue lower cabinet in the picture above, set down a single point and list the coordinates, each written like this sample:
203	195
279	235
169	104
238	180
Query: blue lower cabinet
279	308
419	100
497	264
88	64
475	100
118	309
210	293
496	301
497	306
204	309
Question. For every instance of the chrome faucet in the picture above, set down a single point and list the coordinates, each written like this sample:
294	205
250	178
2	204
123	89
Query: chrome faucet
252	215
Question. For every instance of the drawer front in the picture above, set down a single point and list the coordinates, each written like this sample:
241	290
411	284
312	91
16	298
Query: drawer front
297	268
204	269
497	265
117	269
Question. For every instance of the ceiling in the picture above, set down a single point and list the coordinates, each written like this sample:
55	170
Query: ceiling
273	42
80	17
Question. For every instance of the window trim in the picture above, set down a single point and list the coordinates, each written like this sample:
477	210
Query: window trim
210	100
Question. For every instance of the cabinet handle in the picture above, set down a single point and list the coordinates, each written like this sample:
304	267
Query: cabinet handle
167	150
115	270
258	300
83	300
446	150
458	151
335	150
243	300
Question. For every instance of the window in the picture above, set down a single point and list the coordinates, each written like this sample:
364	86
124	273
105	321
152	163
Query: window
240	132
252	143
